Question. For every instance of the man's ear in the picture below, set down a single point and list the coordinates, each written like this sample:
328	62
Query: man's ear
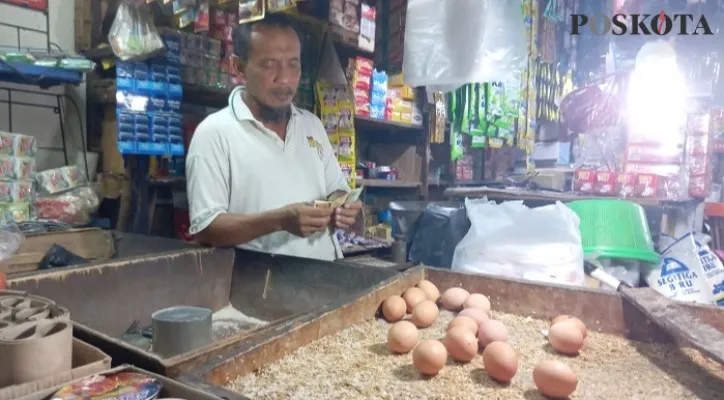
238	67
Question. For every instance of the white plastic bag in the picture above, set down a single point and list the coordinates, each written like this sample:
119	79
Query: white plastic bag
451	43
689	271
133	35
512	240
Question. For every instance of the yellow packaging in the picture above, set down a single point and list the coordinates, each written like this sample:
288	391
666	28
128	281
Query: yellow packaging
407	93
396	116
396	80
345	147
406	117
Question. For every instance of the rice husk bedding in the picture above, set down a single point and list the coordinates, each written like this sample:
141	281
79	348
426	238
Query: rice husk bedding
355	363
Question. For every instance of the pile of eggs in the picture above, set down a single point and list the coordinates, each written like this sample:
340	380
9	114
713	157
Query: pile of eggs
472	329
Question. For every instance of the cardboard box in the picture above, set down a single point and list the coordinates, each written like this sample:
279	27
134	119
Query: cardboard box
171	388
87	360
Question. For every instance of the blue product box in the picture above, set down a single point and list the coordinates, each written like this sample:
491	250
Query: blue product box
176	141
124	76
158	78
157	102
126	132
172	41
142	78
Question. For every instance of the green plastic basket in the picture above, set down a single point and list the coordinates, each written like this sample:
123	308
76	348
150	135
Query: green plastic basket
615	229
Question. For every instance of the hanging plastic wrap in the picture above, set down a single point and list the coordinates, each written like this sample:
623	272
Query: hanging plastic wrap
448	44
133	34
596	106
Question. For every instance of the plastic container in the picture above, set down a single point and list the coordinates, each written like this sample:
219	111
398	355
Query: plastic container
615	229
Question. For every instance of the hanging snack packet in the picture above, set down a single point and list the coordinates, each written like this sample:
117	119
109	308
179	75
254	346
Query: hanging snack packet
251	10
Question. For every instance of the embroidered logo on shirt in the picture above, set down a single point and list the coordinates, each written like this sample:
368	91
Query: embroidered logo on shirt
314	144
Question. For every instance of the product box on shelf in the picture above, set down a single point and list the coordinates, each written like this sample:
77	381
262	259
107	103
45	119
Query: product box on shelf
148	107
699	154
87	360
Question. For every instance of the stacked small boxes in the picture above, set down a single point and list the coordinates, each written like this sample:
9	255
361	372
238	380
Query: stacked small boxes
17	172
148	102
699	154
368	26
401	106
378	95
337	112
345	14
360	74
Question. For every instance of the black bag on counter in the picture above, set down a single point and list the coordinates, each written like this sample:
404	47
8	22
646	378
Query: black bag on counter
434	235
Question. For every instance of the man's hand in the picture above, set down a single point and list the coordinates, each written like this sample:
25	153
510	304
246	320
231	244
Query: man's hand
303	219
345	216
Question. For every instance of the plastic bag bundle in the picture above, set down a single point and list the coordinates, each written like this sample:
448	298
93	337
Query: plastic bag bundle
451	43
511	240
133	34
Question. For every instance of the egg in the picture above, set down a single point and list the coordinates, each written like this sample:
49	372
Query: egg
432	292
429	356
466	322
554	379
492	331
394	308
454	298
477	301
413	296
479	316
566	337
578	322
402	337
461	343
424	314
501	361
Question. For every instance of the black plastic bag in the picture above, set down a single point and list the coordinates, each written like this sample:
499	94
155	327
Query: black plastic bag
58	256
434	235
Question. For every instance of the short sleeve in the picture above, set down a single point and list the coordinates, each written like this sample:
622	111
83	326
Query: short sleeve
207	178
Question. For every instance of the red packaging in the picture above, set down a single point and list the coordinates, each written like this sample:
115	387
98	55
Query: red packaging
626	184
584	180
699	186
181	224
647	186
41	5
605	183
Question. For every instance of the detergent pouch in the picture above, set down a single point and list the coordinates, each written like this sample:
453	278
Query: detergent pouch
689	271
439	53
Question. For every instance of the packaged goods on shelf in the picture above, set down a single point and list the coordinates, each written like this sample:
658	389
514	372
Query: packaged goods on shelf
12	144
345	14
361	77
336	107
378	95
148	108
699	154
56	180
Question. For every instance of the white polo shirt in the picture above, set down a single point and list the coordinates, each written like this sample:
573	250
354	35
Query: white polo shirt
236	165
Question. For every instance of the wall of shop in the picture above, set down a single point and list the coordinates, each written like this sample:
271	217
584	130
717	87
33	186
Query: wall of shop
43	123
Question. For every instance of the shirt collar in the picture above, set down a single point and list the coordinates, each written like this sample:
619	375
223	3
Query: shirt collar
241	110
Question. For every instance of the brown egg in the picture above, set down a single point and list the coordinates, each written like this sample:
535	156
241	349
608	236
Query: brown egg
477	301
554	379
501	361
394	308
431	291
461	343
566	337
424	314
578	322
429	356
454	298
402	337
466	322
413	296
479	316
492	331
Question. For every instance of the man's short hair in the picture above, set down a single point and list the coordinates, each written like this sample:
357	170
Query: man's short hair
242	33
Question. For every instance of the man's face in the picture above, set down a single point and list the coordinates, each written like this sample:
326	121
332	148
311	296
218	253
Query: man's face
273	70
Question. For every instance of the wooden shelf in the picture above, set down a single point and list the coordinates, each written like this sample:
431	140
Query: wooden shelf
367	123
386	183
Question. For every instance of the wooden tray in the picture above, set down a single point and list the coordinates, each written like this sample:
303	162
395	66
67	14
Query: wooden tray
604	312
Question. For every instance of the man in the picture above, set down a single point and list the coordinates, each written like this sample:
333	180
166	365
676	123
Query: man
254	167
